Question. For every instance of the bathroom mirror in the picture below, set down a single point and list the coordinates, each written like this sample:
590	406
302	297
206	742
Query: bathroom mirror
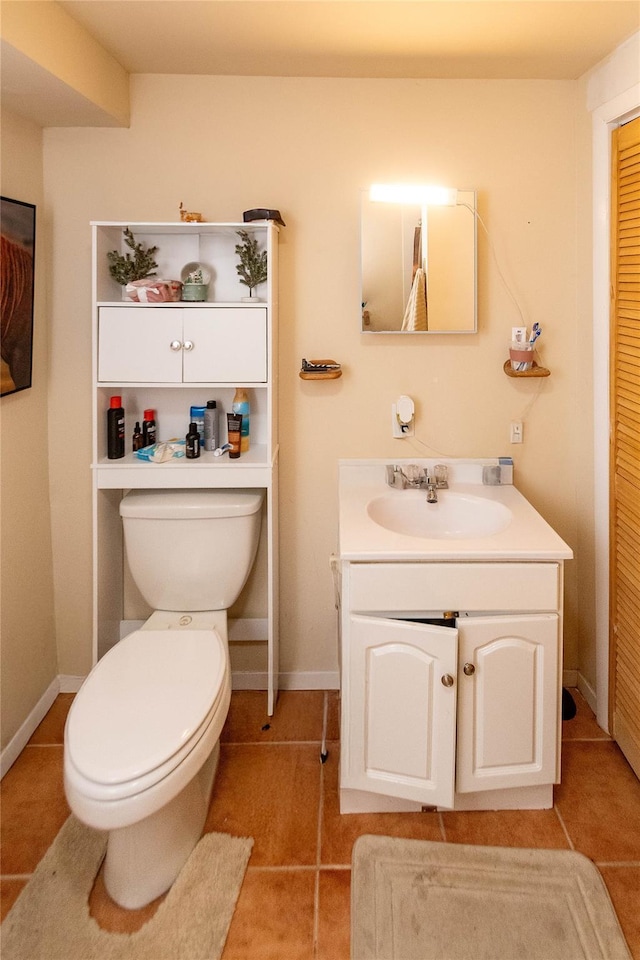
419	266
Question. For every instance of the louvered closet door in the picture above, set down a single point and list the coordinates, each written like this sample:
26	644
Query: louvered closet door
625	443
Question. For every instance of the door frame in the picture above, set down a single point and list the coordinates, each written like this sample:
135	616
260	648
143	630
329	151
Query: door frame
619	109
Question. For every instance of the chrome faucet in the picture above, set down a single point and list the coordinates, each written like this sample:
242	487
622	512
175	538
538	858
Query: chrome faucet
417	477
432	490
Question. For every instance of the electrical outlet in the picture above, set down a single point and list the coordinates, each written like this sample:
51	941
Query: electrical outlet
516	431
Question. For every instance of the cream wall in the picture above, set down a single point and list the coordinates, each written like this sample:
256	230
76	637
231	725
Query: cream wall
308	146
28	652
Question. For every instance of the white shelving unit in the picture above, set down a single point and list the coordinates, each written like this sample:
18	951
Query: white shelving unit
170	356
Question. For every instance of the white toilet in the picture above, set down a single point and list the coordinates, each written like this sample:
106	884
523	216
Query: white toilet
141	742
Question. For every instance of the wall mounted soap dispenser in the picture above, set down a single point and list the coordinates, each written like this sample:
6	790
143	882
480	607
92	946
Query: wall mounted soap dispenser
402	417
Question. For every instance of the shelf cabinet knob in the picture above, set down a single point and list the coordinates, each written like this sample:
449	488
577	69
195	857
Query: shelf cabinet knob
468	669
176	345
447	680
187	345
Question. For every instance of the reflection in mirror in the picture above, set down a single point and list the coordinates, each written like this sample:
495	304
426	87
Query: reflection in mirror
419	266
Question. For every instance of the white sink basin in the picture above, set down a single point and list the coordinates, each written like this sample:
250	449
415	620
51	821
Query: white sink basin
456	516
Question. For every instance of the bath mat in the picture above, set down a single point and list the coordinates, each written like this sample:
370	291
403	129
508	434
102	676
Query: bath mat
420	900
50	919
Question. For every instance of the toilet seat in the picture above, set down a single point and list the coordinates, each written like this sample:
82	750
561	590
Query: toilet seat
147	703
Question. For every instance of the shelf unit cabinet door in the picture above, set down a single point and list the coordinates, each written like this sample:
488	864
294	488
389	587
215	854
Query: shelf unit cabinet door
229	345
134	345
401	739
507	702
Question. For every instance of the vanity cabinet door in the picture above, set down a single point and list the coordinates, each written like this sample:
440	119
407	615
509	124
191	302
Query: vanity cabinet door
508	670
135	345
229	345
402	705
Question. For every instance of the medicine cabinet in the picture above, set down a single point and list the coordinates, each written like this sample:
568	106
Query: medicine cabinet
170	356
399	238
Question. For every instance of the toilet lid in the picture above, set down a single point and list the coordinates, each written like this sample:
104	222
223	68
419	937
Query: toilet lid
143	702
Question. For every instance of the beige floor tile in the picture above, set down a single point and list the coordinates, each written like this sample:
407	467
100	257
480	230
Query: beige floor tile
298	716
51	730
584	725
599	800
274	917
271	793
339	832
33	808
623	884
506	828
334	915
10	890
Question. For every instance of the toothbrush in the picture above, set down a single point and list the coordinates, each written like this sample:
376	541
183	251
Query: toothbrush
536	330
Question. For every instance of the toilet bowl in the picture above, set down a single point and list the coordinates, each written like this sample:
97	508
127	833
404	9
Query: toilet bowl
142	735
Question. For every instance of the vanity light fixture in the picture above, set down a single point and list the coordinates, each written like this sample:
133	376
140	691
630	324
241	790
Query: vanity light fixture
417	193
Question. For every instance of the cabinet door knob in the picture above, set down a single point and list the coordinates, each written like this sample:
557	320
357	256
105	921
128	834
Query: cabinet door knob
175	345
447	680
187	345
468	669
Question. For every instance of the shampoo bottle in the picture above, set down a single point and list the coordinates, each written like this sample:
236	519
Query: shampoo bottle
211	426
115	429
241	405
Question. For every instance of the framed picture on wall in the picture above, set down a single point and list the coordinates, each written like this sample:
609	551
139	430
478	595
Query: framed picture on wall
17	264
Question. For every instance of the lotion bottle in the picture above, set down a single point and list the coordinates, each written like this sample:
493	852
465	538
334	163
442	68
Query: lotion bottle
241	405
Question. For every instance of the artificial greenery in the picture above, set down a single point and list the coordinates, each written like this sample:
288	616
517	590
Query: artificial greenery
252	268
125	269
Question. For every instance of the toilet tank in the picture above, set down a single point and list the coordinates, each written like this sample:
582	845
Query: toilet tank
191	549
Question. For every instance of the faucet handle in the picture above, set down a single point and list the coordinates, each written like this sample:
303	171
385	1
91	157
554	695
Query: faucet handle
414	474
395	477
441	476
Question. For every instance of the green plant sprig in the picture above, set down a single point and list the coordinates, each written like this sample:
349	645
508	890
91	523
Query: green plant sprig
252	268
125	269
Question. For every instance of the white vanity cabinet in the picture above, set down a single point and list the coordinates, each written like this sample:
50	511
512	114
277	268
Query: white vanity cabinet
458	717
169	357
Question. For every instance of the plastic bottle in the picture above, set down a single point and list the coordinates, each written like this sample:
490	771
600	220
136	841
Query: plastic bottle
149	428
115	429
241	405
211	426
192	451
196	415
138	440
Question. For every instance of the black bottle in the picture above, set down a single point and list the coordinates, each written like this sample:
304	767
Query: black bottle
115	429
193	442
149	428
137	442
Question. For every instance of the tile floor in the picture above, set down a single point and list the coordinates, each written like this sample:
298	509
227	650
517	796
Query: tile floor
294	903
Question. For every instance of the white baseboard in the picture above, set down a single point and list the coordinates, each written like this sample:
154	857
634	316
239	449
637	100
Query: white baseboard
309	680
69	683
20	739
587	692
